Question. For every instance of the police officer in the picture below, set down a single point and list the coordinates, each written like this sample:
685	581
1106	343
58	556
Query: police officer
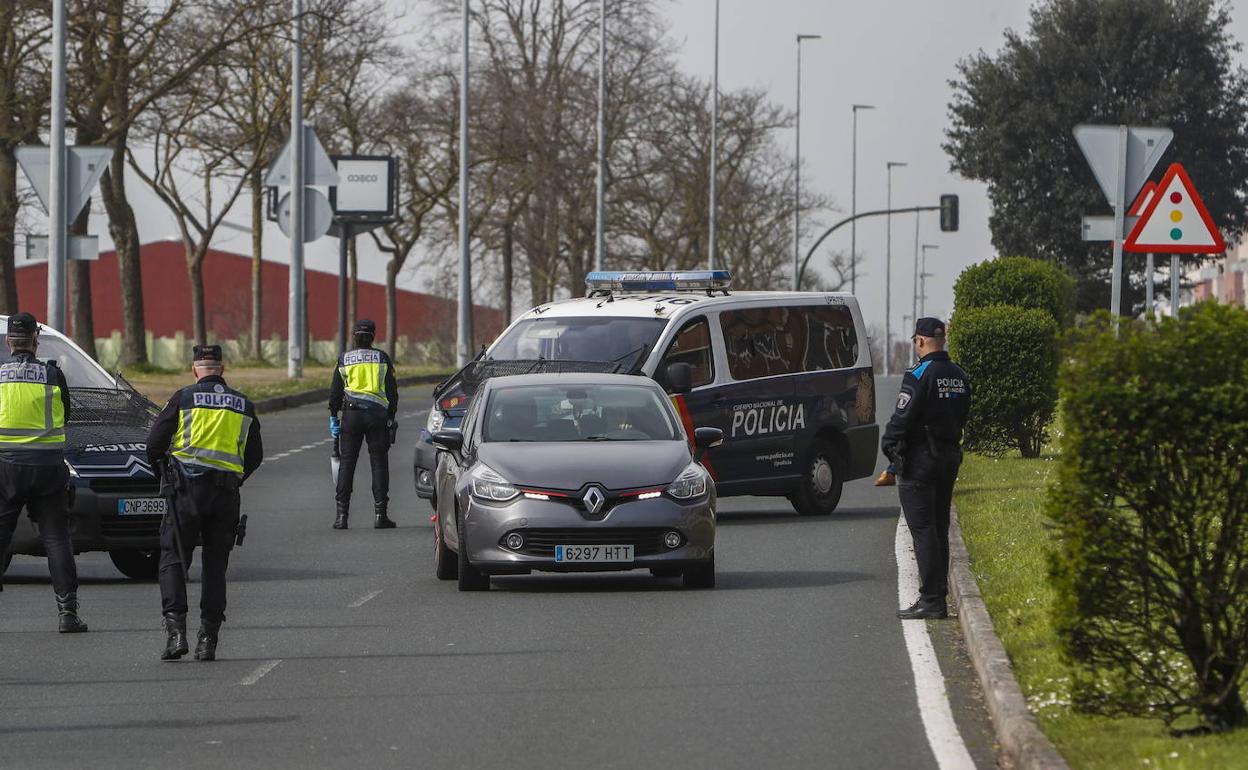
365	391
924	441
207	442
34	405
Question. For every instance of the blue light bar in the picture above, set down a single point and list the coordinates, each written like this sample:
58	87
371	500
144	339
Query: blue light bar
686	280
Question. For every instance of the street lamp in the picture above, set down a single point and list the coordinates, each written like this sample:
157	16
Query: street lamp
797	166
853	202
712	244
923	276
600	224
888	271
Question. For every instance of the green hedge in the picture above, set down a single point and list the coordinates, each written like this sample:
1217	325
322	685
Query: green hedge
1151	508
1011	355
1019	281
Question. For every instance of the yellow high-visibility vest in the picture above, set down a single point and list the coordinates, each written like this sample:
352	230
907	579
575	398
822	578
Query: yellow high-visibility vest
363	374
32	414
213	425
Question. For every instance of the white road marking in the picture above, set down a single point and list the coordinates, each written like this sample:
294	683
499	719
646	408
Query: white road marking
261	670
360	601
929	684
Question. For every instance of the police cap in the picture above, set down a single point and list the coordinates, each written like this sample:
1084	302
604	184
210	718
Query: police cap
207	353
930	327
365	326
23	326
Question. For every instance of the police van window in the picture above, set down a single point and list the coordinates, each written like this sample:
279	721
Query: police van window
765	342
80	371
831	341
693	346
579	339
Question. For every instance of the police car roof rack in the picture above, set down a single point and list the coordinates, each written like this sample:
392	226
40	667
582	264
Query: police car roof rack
604	283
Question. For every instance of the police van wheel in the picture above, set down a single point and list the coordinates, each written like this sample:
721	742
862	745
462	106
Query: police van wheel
140	565
821	485
445	561
470	578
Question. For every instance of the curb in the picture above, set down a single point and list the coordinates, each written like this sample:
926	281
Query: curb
1023	744
278	403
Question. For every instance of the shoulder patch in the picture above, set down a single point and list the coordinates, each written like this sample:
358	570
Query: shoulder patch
903	401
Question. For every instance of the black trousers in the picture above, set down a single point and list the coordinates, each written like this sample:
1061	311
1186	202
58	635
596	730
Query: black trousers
360	426
208	514
41	489
926	505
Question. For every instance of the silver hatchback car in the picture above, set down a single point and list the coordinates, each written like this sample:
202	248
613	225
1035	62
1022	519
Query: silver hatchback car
573	473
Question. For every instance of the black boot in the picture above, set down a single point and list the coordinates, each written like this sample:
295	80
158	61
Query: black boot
206	644
340	521
924	610
67	606
380	519
175	636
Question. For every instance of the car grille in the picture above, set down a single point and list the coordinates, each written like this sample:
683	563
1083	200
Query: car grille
125	486
130	527
646	541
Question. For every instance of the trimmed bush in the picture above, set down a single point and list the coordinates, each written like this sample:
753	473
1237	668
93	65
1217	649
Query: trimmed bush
1018	281
1011	356
1151	508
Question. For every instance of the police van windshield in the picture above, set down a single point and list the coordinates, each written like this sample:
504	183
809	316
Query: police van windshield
80	371
580	339
579	413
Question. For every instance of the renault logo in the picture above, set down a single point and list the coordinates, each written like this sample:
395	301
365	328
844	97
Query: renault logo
593	499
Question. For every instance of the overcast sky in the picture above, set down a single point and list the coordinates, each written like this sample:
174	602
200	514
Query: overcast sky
897	55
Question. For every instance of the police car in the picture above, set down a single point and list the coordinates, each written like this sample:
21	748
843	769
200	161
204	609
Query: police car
786	376
115	502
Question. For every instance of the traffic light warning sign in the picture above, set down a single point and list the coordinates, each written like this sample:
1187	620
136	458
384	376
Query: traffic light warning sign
1175	221
1143	199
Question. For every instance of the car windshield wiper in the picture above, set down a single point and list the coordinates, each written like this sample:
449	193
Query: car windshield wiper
600	437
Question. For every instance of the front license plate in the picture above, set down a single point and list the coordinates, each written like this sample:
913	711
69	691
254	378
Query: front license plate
138	506
593	553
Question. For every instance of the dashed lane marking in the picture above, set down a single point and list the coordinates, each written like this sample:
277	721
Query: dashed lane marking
258	674
330	440
366	597
929	684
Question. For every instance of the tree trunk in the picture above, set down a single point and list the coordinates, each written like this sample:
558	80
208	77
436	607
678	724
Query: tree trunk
257	265
125	231
79	272
8	231
509	253
195	272
392	272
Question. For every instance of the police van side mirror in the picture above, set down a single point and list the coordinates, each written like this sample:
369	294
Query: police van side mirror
450	440
679	376
707	438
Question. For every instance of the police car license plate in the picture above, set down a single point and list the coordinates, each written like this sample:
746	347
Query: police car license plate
594	553
138	506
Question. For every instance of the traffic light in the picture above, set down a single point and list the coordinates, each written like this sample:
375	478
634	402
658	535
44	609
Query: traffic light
948	213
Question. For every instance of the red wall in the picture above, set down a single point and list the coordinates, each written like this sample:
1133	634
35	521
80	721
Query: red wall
227	293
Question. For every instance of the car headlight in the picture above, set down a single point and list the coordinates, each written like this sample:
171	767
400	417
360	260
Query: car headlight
689	484
436	418
488	485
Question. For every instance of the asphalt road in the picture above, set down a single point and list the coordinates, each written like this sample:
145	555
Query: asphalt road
341	649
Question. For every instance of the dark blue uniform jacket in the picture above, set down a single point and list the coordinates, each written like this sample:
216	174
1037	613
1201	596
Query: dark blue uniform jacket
924	436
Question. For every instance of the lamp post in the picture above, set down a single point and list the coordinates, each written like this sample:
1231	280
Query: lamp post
797	166
853	202
600	226
712	244
923	276
888	271
463	325
295	319
914	286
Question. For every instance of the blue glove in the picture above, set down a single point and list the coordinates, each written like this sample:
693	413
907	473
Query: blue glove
335	428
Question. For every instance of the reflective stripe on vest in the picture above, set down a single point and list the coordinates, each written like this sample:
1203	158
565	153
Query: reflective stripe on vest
364	375
32	415
212	430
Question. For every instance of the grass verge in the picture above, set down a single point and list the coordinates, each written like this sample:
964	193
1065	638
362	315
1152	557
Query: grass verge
256	382
1001	506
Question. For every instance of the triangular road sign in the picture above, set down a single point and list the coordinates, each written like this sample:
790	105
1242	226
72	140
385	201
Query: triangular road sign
83	169
1143	199
318	169
1102	145
1176	220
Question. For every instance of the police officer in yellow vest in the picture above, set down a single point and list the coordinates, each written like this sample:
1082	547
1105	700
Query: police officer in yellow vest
209	435
34	405
366	392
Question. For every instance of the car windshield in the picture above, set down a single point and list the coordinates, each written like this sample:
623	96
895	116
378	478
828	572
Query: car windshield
80	371
579	413
579	339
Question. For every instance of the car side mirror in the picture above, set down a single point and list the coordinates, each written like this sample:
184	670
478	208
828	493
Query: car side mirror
707	438
679	376
450	440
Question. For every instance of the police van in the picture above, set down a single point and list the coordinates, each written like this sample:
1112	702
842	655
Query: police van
786	376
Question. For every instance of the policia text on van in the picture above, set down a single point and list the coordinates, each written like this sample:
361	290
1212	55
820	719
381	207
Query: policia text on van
785	375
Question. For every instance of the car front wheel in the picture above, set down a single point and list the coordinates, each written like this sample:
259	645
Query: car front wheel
470	578
140	565
701	576
445	561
